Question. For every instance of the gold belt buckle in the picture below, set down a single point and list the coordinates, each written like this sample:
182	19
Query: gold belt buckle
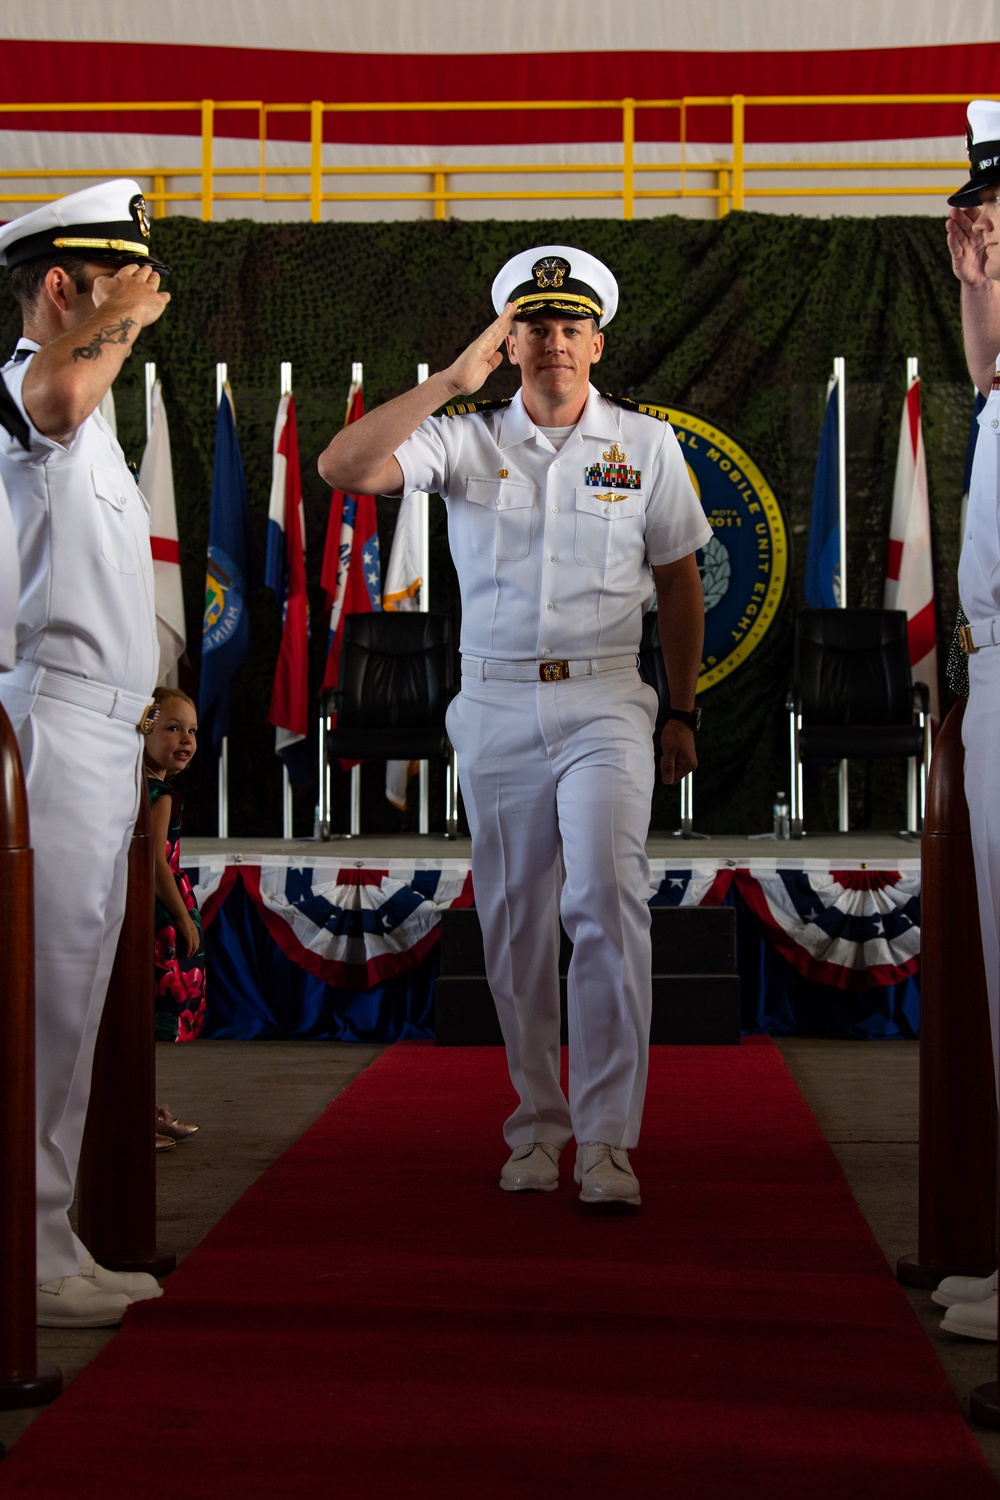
553	671
965	640
149	715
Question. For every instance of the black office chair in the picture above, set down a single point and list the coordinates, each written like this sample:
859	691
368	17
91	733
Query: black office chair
396	679
853	697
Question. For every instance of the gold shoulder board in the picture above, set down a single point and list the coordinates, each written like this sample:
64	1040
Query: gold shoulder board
644	408
466	408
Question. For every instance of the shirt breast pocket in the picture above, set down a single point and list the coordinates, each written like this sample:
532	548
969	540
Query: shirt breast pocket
989	418
500	512
605	520
117	509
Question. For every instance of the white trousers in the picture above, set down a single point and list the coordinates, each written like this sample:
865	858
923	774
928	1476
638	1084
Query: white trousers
82	774
557	779
981	737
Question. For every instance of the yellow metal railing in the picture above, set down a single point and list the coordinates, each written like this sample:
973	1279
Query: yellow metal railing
730	176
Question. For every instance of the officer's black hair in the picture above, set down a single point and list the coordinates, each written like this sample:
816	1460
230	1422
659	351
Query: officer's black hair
27	279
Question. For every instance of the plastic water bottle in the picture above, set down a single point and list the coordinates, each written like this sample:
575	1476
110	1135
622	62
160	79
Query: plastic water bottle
782	817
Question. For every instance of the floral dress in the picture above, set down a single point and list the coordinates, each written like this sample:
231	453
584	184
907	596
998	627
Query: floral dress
180	981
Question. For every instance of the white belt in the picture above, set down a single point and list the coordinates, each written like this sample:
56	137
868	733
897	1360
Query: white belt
113	703
972	638
553	669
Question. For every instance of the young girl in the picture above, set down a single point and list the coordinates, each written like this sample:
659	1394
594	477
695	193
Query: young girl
179	954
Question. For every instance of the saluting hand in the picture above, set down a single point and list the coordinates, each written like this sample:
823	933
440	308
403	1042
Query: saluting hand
482	357
966	246
133	289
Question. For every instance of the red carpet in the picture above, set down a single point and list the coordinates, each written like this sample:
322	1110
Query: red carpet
375	1318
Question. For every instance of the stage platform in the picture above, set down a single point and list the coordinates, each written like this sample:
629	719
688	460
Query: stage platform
885	849
341	938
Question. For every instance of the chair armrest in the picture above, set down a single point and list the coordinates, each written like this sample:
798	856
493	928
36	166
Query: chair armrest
921	698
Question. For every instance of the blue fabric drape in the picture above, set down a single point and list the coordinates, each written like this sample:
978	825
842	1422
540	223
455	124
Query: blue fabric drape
254	991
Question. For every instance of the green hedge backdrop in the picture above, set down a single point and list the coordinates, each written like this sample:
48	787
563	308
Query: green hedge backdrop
737	319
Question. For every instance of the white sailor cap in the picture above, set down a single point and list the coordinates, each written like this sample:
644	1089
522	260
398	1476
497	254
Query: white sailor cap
559	279
107	222
982	135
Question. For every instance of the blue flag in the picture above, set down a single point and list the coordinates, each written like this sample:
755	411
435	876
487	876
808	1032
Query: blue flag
822	580
232	567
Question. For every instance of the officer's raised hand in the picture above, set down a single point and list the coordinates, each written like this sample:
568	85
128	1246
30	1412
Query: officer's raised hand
135	289
483	356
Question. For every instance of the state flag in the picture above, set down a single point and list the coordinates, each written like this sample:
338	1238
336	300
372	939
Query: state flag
156	480
909	582
231	571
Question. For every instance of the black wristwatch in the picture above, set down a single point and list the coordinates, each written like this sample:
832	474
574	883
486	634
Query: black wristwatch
692	719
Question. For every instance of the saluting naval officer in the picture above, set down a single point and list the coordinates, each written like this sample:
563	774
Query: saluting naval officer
974	241
559	502
86	664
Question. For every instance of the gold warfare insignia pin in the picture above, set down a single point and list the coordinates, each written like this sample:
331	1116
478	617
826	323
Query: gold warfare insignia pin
550	272
140	214
614	455
612	498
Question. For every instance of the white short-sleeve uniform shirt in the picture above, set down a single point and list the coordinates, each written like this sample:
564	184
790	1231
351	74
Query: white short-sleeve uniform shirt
87	604
551	558
979	564
10	583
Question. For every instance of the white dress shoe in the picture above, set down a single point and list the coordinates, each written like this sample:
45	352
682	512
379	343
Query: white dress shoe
977	1320
76	1302
137	1286
533	1168
964	1289
605	1175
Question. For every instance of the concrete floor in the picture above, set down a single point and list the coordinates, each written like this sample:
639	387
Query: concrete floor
253	1099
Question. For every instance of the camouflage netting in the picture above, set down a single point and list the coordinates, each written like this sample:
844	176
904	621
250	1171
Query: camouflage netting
737	319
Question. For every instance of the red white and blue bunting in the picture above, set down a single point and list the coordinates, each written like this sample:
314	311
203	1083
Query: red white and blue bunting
356	926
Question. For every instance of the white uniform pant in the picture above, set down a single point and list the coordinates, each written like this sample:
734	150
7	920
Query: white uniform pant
82	774
981	736
557	779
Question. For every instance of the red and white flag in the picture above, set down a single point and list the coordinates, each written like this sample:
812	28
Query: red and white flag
156	480
909	578
289	711
352	573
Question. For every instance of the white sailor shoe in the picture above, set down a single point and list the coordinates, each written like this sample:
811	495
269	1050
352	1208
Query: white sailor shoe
77	1302
605	1175
976	1320
137	1286
532	1168
964	1289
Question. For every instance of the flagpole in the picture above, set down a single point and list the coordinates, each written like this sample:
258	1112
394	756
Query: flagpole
423	603
221	376
839	367
150	385
357	379
423	511
285	382
839	377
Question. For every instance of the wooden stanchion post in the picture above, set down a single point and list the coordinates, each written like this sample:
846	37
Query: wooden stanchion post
958	1117
117	1178
23	1380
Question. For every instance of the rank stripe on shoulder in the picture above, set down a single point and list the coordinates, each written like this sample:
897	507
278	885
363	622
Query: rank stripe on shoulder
645	408
466	408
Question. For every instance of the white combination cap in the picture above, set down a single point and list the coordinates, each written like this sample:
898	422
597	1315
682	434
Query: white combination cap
982	135
557	278
107	222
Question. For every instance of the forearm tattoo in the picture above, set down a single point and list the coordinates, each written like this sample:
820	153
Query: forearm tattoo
114	333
